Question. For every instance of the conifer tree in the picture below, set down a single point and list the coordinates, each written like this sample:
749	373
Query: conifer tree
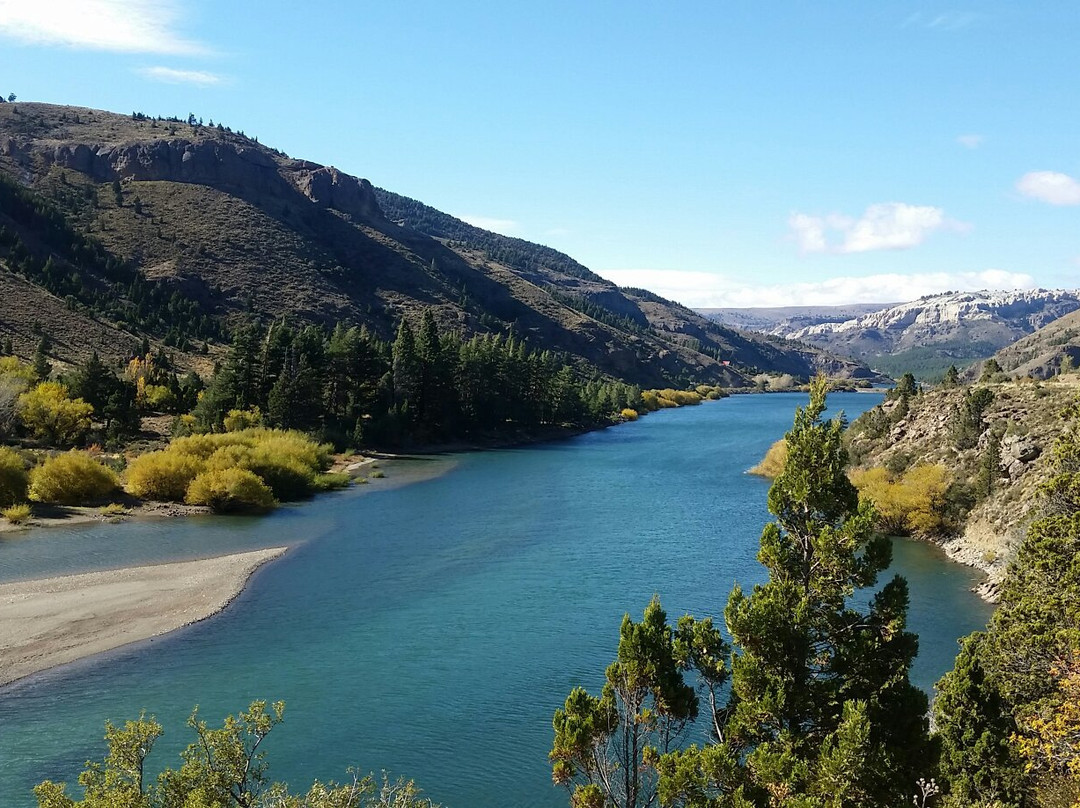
978	763
821	711
406	366
42	366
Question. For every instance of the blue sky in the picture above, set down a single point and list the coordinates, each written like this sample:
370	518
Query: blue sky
717	153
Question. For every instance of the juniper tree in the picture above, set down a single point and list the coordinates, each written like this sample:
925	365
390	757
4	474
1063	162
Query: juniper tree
821	710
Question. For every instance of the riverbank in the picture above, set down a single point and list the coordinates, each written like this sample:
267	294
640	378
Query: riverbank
54	621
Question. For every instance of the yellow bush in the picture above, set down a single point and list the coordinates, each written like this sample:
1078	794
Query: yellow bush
650	400
158	397
238	420
70	479
236	455
679	398
629	414
13	477
47	411
926	487
202	446
290	443
286	461
230	490
914	503
17	514
11	366
773	463
163	475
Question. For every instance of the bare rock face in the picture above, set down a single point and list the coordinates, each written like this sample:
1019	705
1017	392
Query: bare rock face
1016	453
327	186
226	166
245	170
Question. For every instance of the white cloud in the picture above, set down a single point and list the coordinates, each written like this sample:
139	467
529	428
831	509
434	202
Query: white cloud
949	21
171	76
124	26
710	290
970	141
1051	187
884	226
506	227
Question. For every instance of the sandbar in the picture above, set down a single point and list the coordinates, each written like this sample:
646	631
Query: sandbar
53	621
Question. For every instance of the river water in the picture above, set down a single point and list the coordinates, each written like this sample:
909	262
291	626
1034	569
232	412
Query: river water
431	629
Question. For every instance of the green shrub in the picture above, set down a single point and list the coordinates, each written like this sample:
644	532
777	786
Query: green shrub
377	475
17	514
330	481
114	509
13	477
163	475
70	479
230	490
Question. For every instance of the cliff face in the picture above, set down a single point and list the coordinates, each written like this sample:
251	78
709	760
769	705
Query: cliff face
1021	421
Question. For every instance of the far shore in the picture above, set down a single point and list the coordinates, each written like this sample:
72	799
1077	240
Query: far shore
54	621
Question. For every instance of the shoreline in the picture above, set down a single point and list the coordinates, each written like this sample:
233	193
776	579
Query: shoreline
50	622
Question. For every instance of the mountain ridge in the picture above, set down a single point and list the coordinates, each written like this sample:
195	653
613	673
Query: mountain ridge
235	228
929	334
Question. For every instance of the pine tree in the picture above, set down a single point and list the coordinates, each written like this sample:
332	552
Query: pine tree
406	367
42	366
821	711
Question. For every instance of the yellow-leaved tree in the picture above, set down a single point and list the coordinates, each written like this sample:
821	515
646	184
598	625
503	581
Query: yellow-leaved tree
1051	742
53	416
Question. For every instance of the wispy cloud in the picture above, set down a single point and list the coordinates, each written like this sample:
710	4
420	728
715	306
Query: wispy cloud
970	141
171	76
884	226
947	21
505	226
1051	187
708	290
122	26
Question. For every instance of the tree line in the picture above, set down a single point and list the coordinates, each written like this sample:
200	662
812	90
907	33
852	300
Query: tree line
350	387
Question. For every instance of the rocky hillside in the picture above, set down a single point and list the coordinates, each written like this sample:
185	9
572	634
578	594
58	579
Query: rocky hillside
172	230
995	447
1052	349
785	320
927	335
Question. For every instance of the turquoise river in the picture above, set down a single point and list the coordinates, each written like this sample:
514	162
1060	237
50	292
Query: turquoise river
431	629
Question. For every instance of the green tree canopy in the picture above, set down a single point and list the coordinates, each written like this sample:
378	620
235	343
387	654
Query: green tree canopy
821	711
